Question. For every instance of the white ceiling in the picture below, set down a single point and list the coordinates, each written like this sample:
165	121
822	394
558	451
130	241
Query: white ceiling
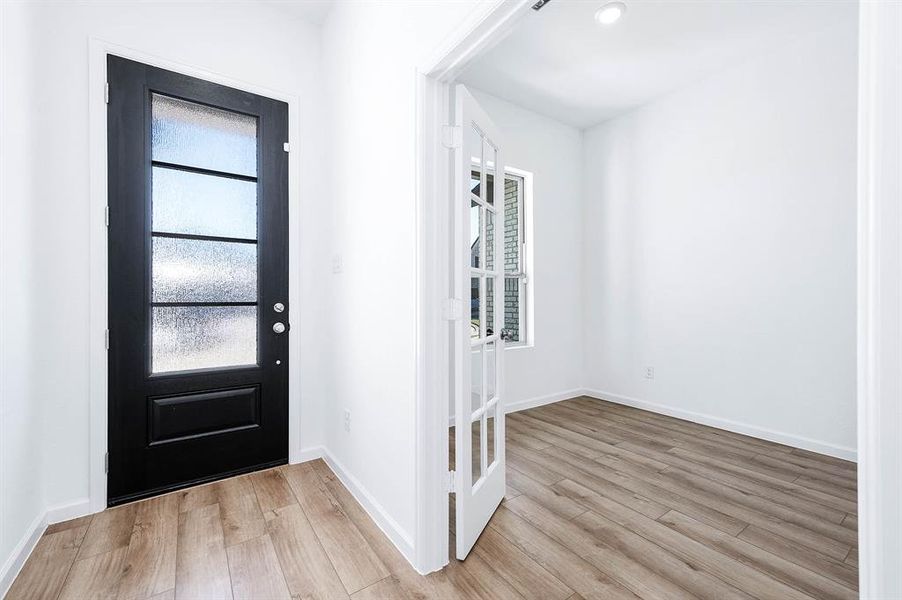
560	63
312	11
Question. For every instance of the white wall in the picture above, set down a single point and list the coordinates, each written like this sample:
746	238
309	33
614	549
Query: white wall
552	152
21	493
46	210
370	52
720	239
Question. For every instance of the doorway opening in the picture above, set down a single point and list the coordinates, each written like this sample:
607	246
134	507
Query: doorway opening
516	112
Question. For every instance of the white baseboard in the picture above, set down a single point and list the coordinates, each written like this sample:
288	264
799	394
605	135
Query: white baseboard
20	553
70	510
770	435
307	454
542	400
535	402
400	538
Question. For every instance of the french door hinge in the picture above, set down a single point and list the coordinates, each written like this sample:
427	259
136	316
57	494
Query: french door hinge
452	481
106	338
106	92
452	309
452	136
286	147
106	215
106	463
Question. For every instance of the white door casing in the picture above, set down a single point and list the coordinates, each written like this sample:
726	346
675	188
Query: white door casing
478	340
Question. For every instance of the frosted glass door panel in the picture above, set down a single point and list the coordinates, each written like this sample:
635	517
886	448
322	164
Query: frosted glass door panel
199	204
204	263
187	270
190	134
203	337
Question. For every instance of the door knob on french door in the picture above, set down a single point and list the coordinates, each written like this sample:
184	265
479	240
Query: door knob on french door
279	327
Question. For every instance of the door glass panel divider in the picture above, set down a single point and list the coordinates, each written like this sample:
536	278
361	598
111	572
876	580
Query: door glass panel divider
483	203
191	303
203	171
480	412
202	238
481	341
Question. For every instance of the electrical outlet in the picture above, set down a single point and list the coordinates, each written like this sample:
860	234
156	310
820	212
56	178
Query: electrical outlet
649	372
347	420
337	265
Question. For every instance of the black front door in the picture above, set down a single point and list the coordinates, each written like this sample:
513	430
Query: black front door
198	281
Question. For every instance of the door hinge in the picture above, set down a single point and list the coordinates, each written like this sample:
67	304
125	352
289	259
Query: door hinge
106	92
286	147
452	136
106	338
452	481
106	216
452	309
106	463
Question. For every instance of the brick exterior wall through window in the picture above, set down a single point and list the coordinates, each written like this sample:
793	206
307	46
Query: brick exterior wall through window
511	260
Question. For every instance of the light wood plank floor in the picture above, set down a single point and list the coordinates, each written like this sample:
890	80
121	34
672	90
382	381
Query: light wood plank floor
603	501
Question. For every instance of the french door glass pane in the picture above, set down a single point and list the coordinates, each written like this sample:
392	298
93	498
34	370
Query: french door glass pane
489	306
476	379
475	294
488	157
490	434
475	235
490	379
476	449
201	337
473	149
198	204
195	135
188	270
489	240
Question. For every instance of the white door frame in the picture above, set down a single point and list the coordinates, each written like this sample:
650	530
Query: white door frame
879	286
98	322
488	24
880	300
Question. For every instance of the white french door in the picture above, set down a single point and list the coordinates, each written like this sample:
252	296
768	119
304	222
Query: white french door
479	344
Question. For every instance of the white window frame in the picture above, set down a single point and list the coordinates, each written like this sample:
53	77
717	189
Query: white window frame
525	273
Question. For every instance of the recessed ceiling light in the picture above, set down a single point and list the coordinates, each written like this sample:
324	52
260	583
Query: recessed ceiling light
610	13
